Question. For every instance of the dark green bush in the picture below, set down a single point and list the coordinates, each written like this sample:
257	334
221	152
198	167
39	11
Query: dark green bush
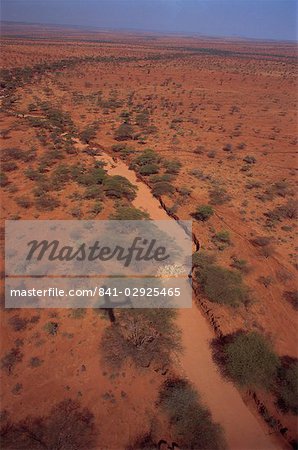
145	336
119	187
287	211
162	188
9	166
191	422
124	132
251	361
4	181
172	167
221	285
249	159
46	203
218	196
148	156
203	212
288	387
129	213
24	202
149	169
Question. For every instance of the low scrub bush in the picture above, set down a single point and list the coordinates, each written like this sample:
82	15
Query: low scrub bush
203	212
10	360
250	361
24	202
46	203
129	213
119	187
145	336
191	422
4	181
173	167
9	166
162	188
287	387
124	132
148	169
249	159
221	285
240	264
218	196
287	211
67	426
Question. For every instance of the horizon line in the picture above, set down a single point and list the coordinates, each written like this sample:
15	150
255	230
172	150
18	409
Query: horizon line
153	32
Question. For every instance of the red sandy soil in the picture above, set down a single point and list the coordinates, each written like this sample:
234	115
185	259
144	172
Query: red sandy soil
243	94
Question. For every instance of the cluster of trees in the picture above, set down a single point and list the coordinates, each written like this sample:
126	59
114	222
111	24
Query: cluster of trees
145	336
219	284
68	426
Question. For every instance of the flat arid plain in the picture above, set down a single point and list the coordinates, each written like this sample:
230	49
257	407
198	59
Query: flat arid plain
99	125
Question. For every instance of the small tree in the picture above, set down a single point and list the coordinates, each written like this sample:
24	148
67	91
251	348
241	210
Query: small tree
221	285
251	361
288	387
143	335
68	426
124	132
162	188
203	212
129	213
119	187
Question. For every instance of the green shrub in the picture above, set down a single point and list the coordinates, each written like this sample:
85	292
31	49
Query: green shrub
67	423
162	188
148	169
129	213
288	387
124	132
251	361
4	181
218	196
148	156
119	187
172	167
24	202
191	422
157	178
222	239
145	336
95	192
96	208
240	264
89	177
46	203
203	212
287	211
221	285
292	298
51	328
9	166
88	133
249	159
203	260
35	362
9	361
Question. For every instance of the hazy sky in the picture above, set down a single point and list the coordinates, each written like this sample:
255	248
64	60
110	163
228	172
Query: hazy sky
271	19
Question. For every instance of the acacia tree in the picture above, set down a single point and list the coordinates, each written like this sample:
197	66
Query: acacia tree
68	426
